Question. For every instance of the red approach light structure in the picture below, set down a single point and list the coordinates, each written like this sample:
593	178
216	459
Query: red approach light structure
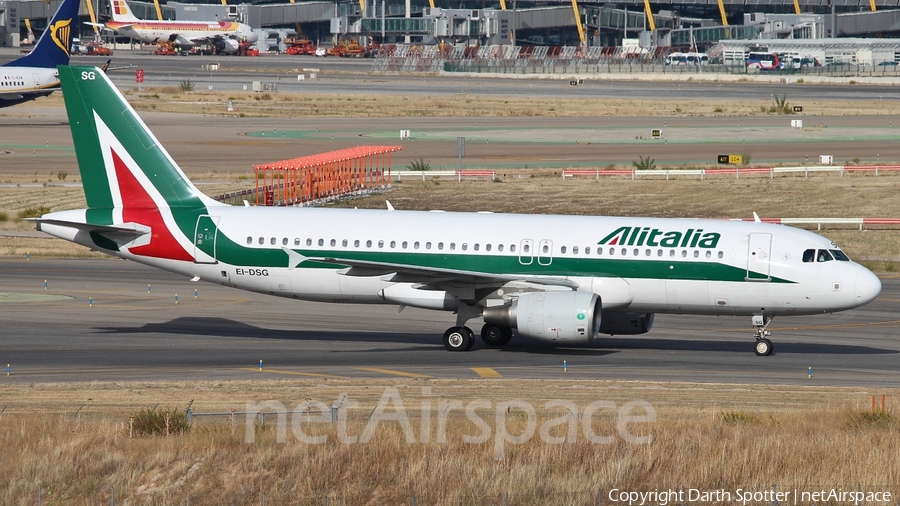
299	180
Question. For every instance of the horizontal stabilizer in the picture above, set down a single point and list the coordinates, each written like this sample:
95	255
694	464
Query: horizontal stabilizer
125	229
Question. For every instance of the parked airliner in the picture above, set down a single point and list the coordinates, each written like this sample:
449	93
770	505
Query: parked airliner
224	35
562	279
34	75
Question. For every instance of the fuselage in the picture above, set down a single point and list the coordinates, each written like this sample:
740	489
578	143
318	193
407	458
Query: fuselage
19	79
183	33
660	265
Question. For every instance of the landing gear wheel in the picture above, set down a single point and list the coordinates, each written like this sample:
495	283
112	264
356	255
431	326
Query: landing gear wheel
471	338
458	339
763	347
495	335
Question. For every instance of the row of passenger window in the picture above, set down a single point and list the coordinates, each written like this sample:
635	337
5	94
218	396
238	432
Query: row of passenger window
526	248
12	83
392	245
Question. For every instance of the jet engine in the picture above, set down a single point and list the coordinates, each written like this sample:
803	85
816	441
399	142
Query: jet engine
625	324
551	316
227	46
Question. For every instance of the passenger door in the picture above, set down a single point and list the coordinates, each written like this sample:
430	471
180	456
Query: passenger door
545	252
526	253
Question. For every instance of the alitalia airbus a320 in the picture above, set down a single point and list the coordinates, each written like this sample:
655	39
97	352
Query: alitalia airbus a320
562	279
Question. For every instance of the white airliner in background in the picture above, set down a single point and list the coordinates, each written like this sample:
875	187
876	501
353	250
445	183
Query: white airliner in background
34	75
225	35
563	279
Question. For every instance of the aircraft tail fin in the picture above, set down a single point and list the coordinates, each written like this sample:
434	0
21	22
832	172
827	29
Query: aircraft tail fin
121	12
53	47
122	163
128	177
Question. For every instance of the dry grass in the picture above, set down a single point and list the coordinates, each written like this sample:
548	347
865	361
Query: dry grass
170	99
798	437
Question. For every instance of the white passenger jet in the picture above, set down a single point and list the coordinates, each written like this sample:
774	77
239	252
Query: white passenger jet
34	75
563	279
226	36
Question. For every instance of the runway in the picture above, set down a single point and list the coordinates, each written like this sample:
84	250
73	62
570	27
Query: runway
350	75
131	333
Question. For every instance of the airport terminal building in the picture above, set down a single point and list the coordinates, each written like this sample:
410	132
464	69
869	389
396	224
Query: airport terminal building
839	31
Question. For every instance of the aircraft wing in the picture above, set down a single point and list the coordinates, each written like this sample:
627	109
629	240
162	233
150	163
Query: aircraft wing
419	274
13	98
206	40
110	28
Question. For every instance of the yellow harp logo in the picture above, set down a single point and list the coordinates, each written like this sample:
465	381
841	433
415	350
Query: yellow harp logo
61	33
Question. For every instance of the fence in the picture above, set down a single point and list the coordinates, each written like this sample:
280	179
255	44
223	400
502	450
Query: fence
736	171
458	174
510	59
516	59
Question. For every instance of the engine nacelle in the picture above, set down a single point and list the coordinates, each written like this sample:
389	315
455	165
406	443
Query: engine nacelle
625	324
227	46
551	316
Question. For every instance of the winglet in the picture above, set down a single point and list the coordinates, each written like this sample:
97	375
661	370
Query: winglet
756	217
389	206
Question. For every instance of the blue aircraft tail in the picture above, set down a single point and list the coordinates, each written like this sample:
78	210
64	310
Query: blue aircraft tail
53	47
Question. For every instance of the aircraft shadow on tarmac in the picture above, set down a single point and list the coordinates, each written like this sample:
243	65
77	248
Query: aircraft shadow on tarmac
223	327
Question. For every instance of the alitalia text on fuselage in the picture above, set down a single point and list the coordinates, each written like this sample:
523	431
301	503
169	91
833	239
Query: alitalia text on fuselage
647	236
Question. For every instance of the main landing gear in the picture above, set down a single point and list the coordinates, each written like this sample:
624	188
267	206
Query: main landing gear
495	335
763	346
459	338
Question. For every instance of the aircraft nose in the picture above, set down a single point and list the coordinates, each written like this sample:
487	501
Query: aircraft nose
868	286
252	37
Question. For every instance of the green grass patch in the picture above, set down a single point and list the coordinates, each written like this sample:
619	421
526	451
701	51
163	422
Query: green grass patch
34	212
158	423
861	419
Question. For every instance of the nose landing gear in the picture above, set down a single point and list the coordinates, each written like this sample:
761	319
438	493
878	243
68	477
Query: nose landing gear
763	347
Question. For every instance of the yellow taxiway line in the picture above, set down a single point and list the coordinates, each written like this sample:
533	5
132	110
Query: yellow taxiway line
292	373
487	372
392	372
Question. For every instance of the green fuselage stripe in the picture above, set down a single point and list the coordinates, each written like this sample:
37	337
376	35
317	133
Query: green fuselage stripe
231	253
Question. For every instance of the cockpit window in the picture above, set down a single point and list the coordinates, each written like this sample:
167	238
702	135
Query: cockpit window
840	255
823	256
809	256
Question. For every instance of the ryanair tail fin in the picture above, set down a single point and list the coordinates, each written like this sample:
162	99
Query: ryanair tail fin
53	47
